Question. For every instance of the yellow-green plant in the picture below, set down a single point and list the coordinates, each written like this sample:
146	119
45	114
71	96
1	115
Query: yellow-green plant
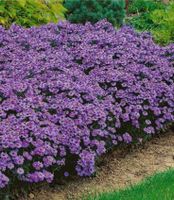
154	16
164	21
30	12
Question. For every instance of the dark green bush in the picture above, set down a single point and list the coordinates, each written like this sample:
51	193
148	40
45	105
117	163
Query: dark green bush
81	11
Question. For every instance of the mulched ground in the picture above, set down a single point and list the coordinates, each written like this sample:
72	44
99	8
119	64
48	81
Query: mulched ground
117	169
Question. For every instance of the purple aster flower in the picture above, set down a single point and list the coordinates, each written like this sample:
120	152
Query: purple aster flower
66	174
61	97
20	171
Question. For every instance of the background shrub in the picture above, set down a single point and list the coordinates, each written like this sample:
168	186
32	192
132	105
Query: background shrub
141	6
30	12
139	13
94	10
153	16
164	24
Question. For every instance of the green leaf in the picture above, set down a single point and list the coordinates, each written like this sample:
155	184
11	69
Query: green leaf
2	8
21	2
30	12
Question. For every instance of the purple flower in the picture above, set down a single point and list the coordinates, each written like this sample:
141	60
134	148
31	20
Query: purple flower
3	180
127	138
74	99
20	171
66	174
148	122
38	165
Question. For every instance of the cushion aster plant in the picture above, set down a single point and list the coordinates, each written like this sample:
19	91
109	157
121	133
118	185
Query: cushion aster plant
69	92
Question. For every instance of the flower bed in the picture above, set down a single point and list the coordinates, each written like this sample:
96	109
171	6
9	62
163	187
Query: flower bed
68	92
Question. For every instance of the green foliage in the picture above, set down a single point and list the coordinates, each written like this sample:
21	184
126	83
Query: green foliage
141	22
81	11
155	17
157	187
142	6
141	9
164	21
30	12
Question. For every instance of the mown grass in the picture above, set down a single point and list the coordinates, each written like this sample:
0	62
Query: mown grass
158	187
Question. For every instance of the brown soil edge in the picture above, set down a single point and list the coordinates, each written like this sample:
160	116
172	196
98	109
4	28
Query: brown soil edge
118	169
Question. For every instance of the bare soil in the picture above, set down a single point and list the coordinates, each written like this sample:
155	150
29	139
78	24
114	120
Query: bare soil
117	169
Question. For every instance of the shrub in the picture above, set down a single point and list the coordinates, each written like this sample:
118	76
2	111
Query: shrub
95	10
164	21
68	92
139	11
142	22
157	19
142	6
30	12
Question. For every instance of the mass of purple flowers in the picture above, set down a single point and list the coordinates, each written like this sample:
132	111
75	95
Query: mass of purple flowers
69	92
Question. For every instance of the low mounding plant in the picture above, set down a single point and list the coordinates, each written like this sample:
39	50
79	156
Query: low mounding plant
94	10
68	92
30	12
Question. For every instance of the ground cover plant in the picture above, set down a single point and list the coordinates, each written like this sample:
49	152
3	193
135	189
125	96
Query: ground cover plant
159	186
79	11
68	92
30	12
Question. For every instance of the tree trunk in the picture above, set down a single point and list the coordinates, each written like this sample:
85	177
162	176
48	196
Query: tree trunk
127	4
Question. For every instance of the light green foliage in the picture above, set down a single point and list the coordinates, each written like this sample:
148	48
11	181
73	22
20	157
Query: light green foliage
30	12
141	22
81	11
158	187
153	16
139	12
164	21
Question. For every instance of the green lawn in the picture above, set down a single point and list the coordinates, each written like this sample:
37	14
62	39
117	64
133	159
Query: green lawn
157	187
